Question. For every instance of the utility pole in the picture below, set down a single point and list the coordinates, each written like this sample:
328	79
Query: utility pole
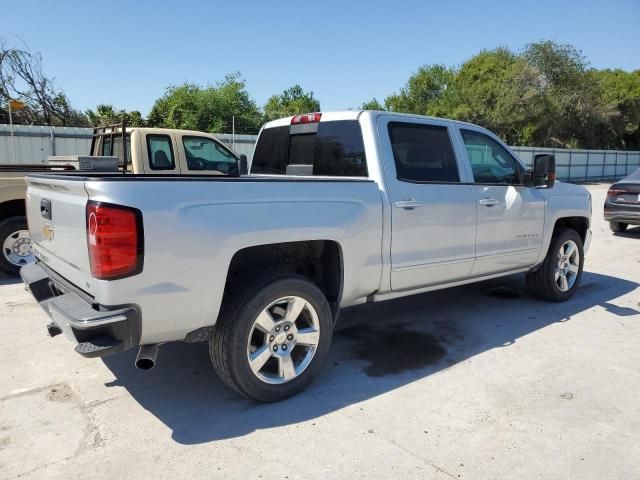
233	132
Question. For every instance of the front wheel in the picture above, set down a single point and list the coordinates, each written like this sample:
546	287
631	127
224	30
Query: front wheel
16	245
272	337
559	275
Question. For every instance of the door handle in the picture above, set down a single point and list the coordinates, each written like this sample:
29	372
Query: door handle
489	202
408	204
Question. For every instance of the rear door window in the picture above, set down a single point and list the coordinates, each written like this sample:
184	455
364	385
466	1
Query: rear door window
423	153
160	152
333	148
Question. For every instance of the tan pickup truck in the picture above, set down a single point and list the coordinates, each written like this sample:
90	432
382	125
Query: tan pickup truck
152	151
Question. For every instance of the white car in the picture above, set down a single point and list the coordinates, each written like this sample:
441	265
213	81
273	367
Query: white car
339	209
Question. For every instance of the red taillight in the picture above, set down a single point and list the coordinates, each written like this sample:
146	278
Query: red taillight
614	192
114	236
306	118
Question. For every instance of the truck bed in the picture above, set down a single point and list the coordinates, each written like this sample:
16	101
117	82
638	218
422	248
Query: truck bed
193	226
114	177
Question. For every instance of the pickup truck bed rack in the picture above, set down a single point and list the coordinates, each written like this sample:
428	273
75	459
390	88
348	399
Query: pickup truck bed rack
112	132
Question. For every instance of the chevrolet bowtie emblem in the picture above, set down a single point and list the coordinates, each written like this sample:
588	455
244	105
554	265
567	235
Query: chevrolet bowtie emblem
47	231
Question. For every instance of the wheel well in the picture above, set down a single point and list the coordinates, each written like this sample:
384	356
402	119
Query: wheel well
318	260
579	224
12	208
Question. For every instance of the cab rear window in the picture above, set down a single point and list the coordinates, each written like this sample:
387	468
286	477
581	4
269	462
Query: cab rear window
333	148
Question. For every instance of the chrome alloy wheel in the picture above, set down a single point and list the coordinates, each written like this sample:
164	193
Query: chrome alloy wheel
283	340
567	265
17	248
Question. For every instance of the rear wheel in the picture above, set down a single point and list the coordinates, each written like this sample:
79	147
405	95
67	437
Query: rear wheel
618	227
559	275
16	245
272	337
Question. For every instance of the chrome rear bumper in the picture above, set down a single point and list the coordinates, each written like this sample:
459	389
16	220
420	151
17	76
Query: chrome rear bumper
96	329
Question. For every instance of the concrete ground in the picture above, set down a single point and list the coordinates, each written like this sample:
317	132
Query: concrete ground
475	382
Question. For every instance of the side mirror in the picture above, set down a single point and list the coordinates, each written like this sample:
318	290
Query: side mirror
544	171
244	168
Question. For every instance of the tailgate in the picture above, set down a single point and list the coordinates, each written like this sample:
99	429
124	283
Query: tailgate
57	224
629	193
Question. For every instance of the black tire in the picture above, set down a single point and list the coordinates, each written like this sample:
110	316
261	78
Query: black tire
228	342
8	227
618	227
542	283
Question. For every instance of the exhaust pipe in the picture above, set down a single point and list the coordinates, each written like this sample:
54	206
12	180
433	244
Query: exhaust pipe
147	355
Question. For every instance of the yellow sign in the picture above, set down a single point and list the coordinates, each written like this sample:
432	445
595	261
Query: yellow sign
16	105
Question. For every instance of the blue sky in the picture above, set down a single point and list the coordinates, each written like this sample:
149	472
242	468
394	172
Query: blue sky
127	53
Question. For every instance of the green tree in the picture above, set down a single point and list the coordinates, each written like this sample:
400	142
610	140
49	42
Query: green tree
500	91
292	101
547	95
102	115
574	109
106	114
621	93
427	92
211	109
135	119
372	104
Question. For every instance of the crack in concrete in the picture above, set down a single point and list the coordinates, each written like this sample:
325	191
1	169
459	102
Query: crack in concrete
93	436
24	474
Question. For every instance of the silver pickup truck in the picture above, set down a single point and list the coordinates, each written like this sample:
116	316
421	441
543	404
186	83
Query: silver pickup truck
338	209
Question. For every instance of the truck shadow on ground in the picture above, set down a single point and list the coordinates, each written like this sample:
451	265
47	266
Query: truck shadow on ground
377	348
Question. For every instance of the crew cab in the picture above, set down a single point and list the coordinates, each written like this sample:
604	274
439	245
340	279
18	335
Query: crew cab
338	209
149	150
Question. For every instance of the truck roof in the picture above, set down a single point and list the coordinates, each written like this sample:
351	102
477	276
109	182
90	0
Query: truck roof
159	131
355	114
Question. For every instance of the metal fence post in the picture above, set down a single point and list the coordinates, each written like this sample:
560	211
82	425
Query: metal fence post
586	168
569	174
533	156
626	165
